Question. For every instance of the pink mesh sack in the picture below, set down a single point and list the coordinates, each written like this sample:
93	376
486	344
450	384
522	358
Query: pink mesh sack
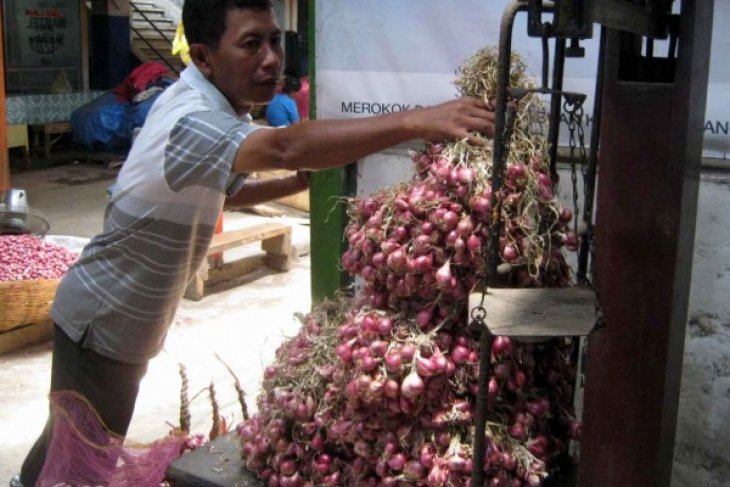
83	452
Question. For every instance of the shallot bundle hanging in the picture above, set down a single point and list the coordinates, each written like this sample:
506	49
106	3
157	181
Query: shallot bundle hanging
380	388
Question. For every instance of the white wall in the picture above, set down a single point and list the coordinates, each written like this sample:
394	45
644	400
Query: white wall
701	455
408	57
173	9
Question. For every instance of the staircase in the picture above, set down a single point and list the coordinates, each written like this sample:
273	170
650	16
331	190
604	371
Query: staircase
152	34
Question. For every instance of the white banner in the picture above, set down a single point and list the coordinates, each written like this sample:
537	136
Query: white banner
377	56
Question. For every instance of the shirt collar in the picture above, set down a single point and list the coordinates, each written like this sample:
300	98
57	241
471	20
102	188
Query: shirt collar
192	77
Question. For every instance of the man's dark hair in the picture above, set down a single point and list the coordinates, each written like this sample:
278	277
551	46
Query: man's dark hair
291	85
205	20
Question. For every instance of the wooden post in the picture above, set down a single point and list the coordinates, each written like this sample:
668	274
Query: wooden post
651	143
4	163
84	25
110	34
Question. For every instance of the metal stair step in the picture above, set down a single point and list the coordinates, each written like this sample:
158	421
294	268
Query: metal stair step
144	29
155	20
149	32
144	26
154	15
147	9
138	19
157	29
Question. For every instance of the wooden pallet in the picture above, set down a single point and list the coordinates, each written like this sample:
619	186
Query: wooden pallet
275	240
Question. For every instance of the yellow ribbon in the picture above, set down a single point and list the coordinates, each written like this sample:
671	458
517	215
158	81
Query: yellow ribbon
180	45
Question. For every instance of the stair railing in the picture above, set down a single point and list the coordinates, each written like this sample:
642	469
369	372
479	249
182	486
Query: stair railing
160	55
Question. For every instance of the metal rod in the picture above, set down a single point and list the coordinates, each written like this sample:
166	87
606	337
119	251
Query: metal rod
500	139
501	142
503	70
545	57
555	107
589	179
485	371
649	48
503	66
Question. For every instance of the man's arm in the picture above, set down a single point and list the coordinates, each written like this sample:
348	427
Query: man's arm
322	144
261	191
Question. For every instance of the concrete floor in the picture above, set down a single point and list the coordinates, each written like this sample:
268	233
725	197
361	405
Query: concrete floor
242	322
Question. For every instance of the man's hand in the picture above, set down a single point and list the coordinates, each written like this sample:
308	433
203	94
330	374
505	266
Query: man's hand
454	120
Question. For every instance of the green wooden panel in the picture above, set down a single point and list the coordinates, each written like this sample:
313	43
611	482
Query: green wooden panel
328	219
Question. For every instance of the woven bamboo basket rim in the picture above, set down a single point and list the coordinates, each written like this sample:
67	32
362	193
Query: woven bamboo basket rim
25	302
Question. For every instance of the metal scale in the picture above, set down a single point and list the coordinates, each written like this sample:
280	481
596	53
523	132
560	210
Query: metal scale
17	217
578	311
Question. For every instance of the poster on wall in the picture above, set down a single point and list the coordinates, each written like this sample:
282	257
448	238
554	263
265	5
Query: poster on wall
42	34
380	56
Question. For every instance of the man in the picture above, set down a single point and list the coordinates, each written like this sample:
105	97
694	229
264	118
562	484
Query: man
113	308
283	111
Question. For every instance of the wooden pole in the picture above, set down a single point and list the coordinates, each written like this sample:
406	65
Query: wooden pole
4	163
651	146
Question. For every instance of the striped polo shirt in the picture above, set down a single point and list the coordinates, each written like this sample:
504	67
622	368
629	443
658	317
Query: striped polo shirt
121	295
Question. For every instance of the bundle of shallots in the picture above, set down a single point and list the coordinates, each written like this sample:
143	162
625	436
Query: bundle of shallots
380	388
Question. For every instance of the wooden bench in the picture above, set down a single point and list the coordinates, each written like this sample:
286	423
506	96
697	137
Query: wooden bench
17	136
48	134
275	240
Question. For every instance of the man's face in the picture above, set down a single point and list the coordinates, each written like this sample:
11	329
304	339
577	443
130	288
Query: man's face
247	62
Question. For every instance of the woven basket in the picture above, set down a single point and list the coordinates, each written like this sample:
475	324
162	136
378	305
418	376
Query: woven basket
25	302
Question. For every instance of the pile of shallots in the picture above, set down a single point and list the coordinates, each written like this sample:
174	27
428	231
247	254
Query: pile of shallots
380	389
26	257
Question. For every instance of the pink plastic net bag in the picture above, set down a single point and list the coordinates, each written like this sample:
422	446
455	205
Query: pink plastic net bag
84	453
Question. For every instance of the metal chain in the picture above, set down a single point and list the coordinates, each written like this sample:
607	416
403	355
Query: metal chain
578	114
588	217
477	324
575	127
570	108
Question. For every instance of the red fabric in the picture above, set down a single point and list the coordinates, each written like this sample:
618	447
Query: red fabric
84	452
301	98
139	79
216	260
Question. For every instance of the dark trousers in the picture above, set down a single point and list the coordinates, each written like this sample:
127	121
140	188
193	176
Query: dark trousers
110	387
